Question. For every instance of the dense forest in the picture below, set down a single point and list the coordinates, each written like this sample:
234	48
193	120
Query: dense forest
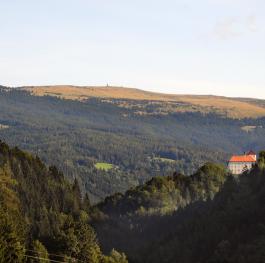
78	137
214	218
43	218
209	216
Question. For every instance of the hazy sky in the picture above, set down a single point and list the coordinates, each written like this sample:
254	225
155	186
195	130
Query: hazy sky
175	46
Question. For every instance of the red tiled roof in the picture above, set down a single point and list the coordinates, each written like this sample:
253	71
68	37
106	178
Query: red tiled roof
242	159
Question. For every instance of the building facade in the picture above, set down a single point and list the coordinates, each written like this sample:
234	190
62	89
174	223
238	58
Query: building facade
241	163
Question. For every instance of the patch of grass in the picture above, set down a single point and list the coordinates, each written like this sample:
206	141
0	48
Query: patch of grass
104	166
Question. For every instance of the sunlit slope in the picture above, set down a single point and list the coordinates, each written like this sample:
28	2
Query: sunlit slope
231	107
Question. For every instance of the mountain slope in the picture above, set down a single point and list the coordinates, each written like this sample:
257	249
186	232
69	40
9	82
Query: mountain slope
127	221
163	195
228	228
230	107
42	215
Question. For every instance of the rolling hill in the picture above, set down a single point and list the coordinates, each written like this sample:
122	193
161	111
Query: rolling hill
231	107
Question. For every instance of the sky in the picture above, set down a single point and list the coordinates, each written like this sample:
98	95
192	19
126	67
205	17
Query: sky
173	46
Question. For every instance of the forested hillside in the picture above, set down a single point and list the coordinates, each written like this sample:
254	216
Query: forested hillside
42	216
110	147
164	194
203	225
209	216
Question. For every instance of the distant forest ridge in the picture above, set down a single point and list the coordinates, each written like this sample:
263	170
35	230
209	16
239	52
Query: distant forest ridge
229	107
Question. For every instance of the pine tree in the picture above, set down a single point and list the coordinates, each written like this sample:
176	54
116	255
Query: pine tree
86	203
11	248
77	195
41	252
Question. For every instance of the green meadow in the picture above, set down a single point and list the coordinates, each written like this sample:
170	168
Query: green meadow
104	166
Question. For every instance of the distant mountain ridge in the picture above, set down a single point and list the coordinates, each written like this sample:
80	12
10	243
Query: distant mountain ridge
230	107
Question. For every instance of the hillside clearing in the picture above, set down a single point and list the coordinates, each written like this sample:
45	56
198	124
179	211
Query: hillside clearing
104	166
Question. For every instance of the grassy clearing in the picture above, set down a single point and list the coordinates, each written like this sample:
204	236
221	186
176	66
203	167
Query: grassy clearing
104	166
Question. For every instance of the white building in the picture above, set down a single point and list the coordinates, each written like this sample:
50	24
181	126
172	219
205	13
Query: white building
240	163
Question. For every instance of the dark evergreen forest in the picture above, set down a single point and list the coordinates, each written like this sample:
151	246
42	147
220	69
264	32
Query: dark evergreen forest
210	216
43	217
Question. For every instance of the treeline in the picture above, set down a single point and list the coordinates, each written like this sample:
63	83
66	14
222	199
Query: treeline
42	216
215	227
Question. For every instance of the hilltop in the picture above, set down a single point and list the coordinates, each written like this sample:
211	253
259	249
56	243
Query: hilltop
127	97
